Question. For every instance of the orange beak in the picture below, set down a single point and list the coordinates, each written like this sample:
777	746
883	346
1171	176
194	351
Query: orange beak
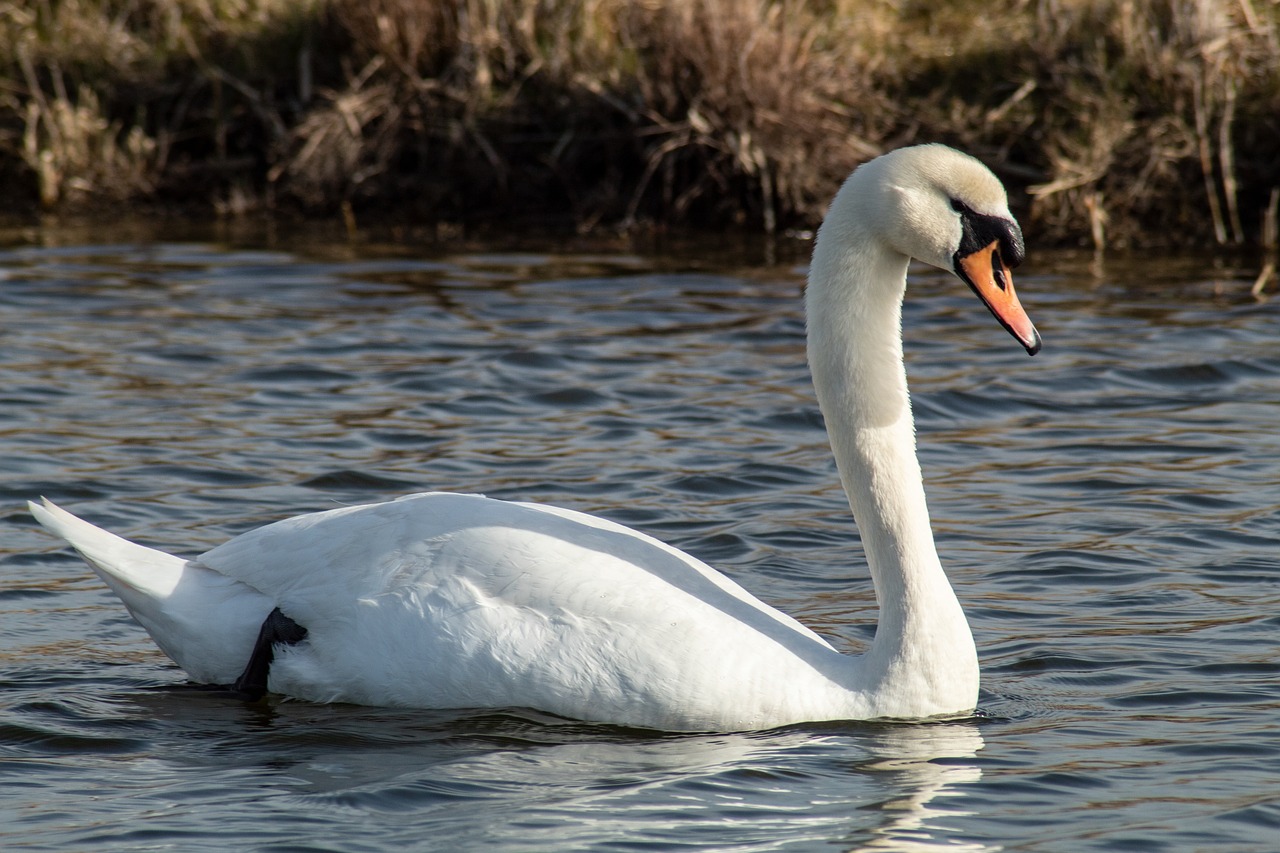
985	271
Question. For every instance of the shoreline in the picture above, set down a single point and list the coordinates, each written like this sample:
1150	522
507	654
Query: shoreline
1114	123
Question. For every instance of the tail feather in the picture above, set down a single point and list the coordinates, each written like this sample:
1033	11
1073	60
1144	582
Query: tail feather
204	621
130	569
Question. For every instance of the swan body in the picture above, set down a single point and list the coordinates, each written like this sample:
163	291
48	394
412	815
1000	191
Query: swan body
459	601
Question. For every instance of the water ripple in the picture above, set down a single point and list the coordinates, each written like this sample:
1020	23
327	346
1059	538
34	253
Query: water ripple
1106	512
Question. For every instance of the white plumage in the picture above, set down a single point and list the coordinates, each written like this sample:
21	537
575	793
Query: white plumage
453	601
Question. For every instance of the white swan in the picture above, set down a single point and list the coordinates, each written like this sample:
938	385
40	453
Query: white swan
450	601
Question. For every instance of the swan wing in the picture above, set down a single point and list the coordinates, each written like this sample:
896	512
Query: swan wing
451	600
316	564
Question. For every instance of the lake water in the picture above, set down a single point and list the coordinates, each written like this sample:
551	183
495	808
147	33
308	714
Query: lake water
1107	512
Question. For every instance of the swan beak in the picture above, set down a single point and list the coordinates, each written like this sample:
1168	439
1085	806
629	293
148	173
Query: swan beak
989	277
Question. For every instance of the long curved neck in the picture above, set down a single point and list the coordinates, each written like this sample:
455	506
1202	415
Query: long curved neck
923	645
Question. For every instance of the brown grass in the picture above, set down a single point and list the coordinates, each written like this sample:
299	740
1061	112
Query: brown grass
1126	122
1150	110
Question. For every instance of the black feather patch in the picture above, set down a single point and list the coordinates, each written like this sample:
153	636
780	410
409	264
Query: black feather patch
980	230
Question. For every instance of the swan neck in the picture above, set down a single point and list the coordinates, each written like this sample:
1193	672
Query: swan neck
854	306
855	353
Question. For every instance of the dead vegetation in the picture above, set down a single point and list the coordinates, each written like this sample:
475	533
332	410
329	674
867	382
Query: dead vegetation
1126	122
1161	119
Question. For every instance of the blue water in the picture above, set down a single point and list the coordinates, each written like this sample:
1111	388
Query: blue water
1107	512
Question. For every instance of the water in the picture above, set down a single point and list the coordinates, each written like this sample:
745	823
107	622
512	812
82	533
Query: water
1106	510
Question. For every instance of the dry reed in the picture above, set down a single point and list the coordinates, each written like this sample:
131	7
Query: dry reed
1127	122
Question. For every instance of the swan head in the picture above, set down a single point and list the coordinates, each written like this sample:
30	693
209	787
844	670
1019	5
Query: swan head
947	209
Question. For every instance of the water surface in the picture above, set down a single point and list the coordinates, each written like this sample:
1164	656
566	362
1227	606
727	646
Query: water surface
1106	511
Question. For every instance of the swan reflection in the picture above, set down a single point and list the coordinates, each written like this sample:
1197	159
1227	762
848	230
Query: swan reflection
925	767
543	784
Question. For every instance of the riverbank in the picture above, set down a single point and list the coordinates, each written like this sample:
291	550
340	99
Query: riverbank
1115	122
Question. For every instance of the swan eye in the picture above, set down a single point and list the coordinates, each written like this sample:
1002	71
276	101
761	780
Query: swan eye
960	207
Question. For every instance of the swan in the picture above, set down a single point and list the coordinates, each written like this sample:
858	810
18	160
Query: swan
442	600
